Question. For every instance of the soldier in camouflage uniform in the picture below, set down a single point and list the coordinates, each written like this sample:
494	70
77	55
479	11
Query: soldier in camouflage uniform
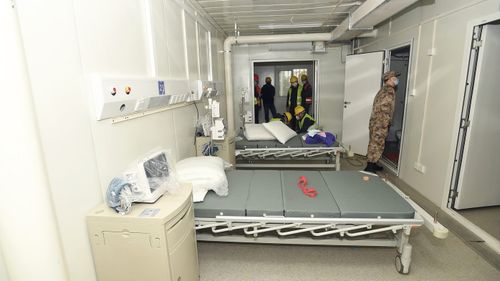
380	120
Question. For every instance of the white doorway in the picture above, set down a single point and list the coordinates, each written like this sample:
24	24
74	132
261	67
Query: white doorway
398	61
475	189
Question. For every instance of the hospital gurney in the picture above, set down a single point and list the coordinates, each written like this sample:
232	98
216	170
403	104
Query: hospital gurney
350	209
294	153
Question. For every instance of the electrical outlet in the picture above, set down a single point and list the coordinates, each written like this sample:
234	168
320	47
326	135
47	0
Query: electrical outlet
419	167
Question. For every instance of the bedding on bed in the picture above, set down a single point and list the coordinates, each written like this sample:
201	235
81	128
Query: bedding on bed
204	173
319	137
255	132
281	131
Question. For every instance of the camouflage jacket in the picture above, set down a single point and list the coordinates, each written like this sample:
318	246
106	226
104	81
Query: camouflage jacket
383	107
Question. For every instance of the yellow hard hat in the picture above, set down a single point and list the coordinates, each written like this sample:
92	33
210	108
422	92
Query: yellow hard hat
288	116
299	109
294	79
303	77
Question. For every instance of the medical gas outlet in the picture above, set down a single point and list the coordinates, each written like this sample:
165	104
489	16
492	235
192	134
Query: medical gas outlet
117	96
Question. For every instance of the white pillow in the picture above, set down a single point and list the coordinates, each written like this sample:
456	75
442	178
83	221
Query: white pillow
204	173
257	132
281	131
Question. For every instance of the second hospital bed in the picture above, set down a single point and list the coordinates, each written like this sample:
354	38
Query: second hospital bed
294	153
350	209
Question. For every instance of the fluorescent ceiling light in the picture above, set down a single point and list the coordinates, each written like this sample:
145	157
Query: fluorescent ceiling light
290	25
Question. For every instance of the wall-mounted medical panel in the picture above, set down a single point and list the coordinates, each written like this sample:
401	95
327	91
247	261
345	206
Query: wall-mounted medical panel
201	89
179	91
116	97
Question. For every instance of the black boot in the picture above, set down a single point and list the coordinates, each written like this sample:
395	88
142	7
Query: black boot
370	167
378	167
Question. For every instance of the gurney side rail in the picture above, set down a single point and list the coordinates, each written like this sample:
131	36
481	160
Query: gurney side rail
342	226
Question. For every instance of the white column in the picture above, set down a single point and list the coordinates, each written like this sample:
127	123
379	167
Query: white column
29	238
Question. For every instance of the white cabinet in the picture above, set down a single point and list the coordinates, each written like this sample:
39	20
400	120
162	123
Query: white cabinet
153	242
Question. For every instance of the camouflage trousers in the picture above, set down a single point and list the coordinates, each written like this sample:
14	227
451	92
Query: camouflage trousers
376	146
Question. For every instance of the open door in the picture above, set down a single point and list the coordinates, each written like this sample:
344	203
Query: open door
399	61
363	78
478	184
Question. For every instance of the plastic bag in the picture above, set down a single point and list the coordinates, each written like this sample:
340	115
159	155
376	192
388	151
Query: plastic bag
203	124
118	196
145	180
151	175
204	173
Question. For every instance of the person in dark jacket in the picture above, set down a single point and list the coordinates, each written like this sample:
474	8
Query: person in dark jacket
306	92
267	93
294	98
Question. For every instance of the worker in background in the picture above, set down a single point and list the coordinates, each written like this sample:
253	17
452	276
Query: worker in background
287	119
267	93
306	92
380	120
294	97
256	97
304	120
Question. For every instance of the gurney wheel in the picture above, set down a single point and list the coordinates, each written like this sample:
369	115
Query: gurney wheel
399	265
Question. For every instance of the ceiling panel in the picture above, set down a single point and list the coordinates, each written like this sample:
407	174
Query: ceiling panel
254	17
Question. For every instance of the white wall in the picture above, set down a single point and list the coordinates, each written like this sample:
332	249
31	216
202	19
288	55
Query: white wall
65	41
431	121
330	89
3	270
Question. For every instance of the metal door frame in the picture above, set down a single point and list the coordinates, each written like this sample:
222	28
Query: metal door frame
316	94
488	239
465	115
388	164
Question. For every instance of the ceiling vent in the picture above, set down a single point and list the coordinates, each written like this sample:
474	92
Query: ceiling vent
319	47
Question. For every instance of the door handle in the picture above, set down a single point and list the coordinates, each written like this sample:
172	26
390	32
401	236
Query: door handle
347	102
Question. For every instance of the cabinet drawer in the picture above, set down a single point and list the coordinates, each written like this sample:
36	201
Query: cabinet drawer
184	259
183	227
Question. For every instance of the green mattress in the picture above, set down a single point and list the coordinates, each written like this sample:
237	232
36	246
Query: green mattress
296	141
343	194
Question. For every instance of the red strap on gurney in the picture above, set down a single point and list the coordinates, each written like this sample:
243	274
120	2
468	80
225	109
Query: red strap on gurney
308	191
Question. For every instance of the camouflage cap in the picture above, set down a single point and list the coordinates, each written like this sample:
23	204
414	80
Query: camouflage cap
390	74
